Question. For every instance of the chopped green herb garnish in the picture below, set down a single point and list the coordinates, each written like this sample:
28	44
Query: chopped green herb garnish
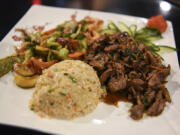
32	107
62	94
56	70
52	104
146	103
40	101
70	77
50	90
73	80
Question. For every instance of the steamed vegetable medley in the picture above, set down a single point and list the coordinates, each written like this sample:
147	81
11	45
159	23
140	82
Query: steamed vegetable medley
70	40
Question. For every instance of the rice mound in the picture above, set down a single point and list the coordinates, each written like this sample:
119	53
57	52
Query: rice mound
66	90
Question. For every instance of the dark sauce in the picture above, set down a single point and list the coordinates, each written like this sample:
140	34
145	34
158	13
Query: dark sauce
114	98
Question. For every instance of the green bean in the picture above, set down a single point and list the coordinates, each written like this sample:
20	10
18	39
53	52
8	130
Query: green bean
83	44
52	42
28	54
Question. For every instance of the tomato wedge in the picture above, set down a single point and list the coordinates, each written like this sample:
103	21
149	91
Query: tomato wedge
157	22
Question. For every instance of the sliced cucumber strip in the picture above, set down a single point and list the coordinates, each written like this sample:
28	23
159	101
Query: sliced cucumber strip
107	31
113	26
166	49
133	29
124	28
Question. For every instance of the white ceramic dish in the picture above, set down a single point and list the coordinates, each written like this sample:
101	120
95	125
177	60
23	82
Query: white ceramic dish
105	119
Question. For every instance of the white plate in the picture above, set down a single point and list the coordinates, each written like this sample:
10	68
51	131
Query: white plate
105	119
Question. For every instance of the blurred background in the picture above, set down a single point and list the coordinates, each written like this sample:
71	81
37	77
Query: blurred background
13	10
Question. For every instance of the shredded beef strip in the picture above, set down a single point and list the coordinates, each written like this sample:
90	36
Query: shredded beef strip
126	66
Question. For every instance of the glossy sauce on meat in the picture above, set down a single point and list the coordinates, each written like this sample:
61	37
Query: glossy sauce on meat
114	98
131	73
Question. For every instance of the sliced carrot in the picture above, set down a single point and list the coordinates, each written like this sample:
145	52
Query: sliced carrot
50	31
157	22
157	68
76	54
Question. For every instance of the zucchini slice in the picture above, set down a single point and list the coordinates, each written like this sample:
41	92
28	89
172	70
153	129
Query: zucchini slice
25	82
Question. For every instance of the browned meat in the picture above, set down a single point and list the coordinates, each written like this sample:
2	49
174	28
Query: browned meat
71	43
133	91
95	46
103	38
139	65
98	64
99	61
149	95
118	67
111	48
88	57
137	82
137	110
116	84
133	74
105	75
156	78
115	56
158	106
166	95
126	66
151	57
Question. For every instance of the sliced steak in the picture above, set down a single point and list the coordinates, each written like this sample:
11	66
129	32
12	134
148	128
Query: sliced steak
137	110
116	84
111	48
133	75
158	106
105	75
98	64
166	95
126	66
156	78
137	82
99	61
149	95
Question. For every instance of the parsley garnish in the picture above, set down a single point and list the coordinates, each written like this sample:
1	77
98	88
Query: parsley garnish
70	77
50	90
73	80
62	94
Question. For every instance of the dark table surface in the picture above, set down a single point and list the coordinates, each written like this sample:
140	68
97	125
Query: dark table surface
12	10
